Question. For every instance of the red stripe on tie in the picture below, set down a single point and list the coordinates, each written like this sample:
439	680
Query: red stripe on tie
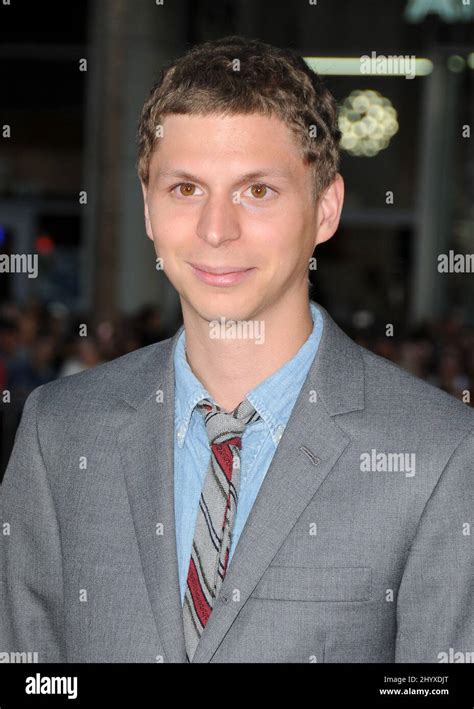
224	455
226	561
202	607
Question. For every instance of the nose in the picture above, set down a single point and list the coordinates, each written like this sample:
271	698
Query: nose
218	221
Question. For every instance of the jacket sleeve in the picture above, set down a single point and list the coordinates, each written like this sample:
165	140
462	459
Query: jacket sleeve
31	584
435	603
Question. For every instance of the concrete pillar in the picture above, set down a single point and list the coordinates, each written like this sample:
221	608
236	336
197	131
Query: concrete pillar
438	126
155	35
127	49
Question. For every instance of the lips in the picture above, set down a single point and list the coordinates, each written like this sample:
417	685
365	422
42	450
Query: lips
221	276
220	270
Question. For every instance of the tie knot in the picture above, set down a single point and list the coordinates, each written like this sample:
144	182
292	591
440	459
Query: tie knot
222	425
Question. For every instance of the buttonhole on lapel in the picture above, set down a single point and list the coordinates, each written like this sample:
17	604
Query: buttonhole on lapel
313	458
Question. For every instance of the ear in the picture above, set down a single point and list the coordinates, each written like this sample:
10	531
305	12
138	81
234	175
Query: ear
147	214
329	210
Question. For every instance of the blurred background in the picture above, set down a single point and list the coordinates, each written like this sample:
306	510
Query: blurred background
398	275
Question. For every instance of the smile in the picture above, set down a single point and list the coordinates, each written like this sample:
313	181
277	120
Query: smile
223	277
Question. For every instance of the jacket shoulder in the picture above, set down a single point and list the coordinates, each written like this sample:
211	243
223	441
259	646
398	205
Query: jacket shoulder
119	379
389	385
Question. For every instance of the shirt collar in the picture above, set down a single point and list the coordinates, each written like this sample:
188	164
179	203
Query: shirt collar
273	398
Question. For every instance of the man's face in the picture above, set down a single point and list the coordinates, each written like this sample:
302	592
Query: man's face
231	192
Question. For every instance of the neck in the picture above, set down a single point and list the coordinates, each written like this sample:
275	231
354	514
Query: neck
230	367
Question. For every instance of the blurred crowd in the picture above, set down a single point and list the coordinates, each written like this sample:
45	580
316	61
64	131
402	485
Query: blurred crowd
39	343
440	352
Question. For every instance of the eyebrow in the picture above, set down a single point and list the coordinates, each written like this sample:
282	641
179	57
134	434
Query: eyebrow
271	172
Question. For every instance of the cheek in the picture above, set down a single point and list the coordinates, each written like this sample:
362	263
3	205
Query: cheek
169	228
268	228
281	235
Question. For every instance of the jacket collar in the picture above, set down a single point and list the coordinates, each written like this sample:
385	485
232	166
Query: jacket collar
336	373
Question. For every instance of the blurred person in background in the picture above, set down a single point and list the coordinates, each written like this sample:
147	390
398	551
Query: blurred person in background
85	354
9	341
33	366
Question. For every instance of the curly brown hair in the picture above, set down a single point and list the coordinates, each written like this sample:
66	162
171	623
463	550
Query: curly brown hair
236	75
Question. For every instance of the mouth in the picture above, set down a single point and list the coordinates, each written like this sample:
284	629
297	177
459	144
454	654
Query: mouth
221	275
219	270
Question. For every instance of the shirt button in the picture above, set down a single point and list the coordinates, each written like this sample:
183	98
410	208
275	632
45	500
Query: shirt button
224	599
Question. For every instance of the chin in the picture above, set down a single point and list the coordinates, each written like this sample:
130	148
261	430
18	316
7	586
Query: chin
214	306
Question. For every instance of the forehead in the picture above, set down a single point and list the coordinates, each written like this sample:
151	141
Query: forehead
239	136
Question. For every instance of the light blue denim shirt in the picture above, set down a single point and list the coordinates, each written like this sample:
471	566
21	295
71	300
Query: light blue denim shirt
273	399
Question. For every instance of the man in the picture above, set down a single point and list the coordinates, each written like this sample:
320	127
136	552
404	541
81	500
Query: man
257	488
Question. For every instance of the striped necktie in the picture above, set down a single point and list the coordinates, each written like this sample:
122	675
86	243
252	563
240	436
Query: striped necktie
215	516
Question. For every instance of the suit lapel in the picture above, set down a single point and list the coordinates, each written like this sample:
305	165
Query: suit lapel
308	450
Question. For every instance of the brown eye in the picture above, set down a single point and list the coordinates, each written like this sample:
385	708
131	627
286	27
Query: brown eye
259	190
186	189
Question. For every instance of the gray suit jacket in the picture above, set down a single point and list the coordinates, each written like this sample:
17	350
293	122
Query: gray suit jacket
359	547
